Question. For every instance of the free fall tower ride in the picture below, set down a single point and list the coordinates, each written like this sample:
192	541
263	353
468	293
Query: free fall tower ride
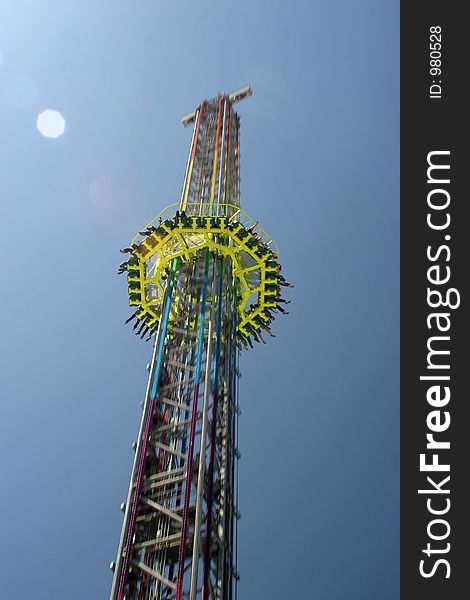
204	281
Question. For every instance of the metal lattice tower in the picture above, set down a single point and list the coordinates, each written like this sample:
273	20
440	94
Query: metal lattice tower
204	281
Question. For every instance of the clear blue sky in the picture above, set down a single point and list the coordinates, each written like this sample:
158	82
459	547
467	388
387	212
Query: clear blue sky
319	169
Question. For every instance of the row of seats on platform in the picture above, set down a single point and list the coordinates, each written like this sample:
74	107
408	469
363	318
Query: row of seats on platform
252	322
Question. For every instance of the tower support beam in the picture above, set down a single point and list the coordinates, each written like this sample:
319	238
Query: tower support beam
203	278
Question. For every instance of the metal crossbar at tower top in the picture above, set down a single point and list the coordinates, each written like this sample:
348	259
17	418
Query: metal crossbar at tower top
204	281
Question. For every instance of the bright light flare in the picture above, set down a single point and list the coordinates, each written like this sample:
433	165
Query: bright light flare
51	123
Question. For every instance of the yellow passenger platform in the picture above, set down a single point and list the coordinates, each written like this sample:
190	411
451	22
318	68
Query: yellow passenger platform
229	232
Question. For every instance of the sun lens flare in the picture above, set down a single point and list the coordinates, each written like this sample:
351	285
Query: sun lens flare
50	123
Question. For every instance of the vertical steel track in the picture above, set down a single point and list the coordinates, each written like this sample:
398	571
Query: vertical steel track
177	539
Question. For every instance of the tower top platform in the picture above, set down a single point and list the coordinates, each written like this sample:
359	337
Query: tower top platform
233	97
